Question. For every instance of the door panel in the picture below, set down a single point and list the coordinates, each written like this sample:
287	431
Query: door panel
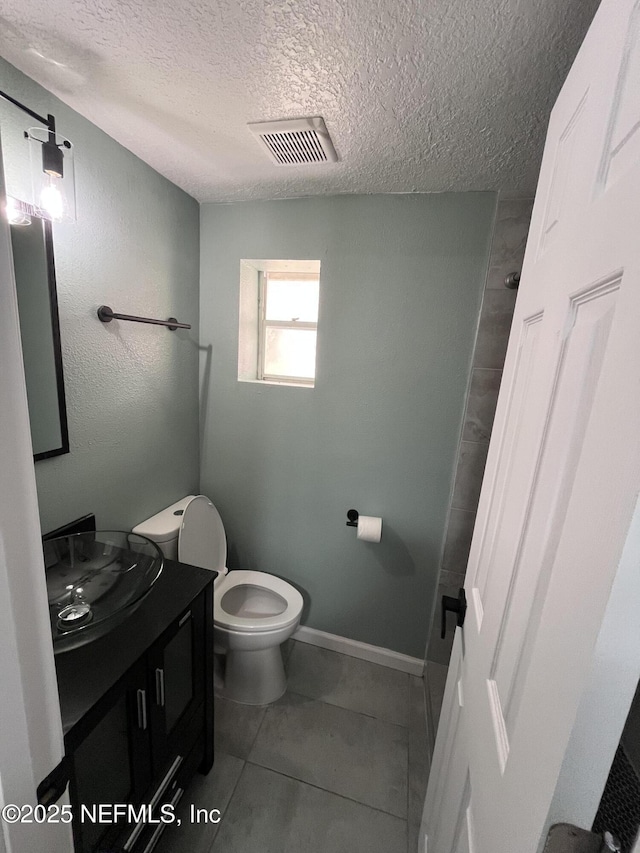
589	322
464	842
446	784
178	672
454	787
621	149
519	406
103	768
565	179
111	762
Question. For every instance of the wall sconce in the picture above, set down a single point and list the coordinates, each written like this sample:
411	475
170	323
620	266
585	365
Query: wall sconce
52	168
52	173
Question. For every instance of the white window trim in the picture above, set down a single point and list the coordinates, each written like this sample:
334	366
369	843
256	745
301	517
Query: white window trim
263	323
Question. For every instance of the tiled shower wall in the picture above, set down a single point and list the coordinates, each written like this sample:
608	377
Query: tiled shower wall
507	253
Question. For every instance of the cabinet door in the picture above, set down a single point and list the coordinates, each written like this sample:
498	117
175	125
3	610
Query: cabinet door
178	676
111	763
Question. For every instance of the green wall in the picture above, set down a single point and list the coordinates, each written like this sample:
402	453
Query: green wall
132	390
401	284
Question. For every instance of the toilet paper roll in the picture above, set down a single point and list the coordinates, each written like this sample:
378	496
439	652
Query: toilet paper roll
369	528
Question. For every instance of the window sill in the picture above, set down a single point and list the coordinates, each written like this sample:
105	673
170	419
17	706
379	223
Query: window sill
277	384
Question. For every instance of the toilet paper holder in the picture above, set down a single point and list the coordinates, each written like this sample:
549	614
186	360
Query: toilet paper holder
353	515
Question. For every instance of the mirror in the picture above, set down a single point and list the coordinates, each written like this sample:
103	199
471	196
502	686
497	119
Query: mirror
40	330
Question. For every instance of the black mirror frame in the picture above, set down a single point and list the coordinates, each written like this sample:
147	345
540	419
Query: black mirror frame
57	348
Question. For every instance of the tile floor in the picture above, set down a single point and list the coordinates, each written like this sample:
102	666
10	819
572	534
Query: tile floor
338	765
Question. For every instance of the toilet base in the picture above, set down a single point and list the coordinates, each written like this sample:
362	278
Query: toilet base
254	677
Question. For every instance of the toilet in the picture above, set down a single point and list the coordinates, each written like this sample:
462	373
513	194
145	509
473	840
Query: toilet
253	612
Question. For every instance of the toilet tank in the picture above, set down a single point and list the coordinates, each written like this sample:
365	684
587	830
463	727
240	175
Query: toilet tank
163	528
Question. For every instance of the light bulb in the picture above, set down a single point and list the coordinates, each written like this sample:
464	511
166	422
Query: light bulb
51	201
15	215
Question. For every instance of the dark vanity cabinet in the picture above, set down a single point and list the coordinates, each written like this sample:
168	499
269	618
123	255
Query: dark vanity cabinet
144	737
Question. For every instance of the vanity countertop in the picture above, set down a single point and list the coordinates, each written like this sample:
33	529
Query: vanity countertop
86	673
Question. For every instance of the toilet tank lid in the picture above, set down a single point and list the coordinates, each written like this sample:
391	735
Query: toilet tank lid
164	525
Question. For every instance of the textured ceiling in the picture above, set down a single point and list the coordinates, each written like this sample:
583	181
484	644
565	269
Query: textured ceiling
418	95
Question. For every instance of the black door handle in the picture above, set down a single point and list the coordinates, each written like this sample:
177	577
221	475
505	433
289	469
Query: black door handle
454	605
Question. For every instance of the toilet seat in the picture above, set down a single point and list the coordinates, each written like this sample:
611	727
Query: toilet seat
269	604
289	598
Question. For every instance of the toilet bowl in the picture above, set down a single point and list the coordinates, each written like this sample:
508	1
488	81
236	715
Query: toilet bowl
253	612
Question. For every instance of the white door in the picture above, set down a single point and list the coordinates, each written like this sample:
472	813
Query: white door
31	742
555	559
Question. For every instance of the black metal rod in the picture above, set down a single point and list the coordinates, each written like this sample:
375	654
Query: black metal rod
36	116
107	315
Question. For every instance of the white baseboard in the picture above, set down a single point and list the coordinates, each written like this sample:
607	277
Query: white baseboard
364	651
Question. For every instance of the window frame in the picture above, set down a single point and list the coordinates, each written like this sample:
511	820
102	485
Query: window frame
264	324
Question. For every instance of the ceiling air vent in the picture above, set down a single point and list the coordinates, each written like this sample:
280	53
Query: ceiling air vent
301	140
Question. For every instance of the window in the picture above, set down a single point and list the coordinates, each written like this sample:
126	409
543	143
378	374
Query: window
278	321
288	326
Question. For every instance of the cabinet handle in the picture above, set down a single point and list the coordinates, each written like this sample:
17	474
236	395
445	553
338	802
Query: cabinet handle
160	687
137	832
162	787
142	709
166	781
177	797
162	826
186	616
157	833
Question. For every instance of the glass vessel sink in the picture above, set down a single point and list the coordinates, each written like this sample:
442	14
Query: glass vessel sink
94	581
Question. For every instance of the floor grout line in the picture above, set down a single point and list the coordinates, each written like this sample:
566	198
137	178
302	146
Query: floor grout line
348	710
255	738
326	790
408	793
266	708
342	708
226	808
